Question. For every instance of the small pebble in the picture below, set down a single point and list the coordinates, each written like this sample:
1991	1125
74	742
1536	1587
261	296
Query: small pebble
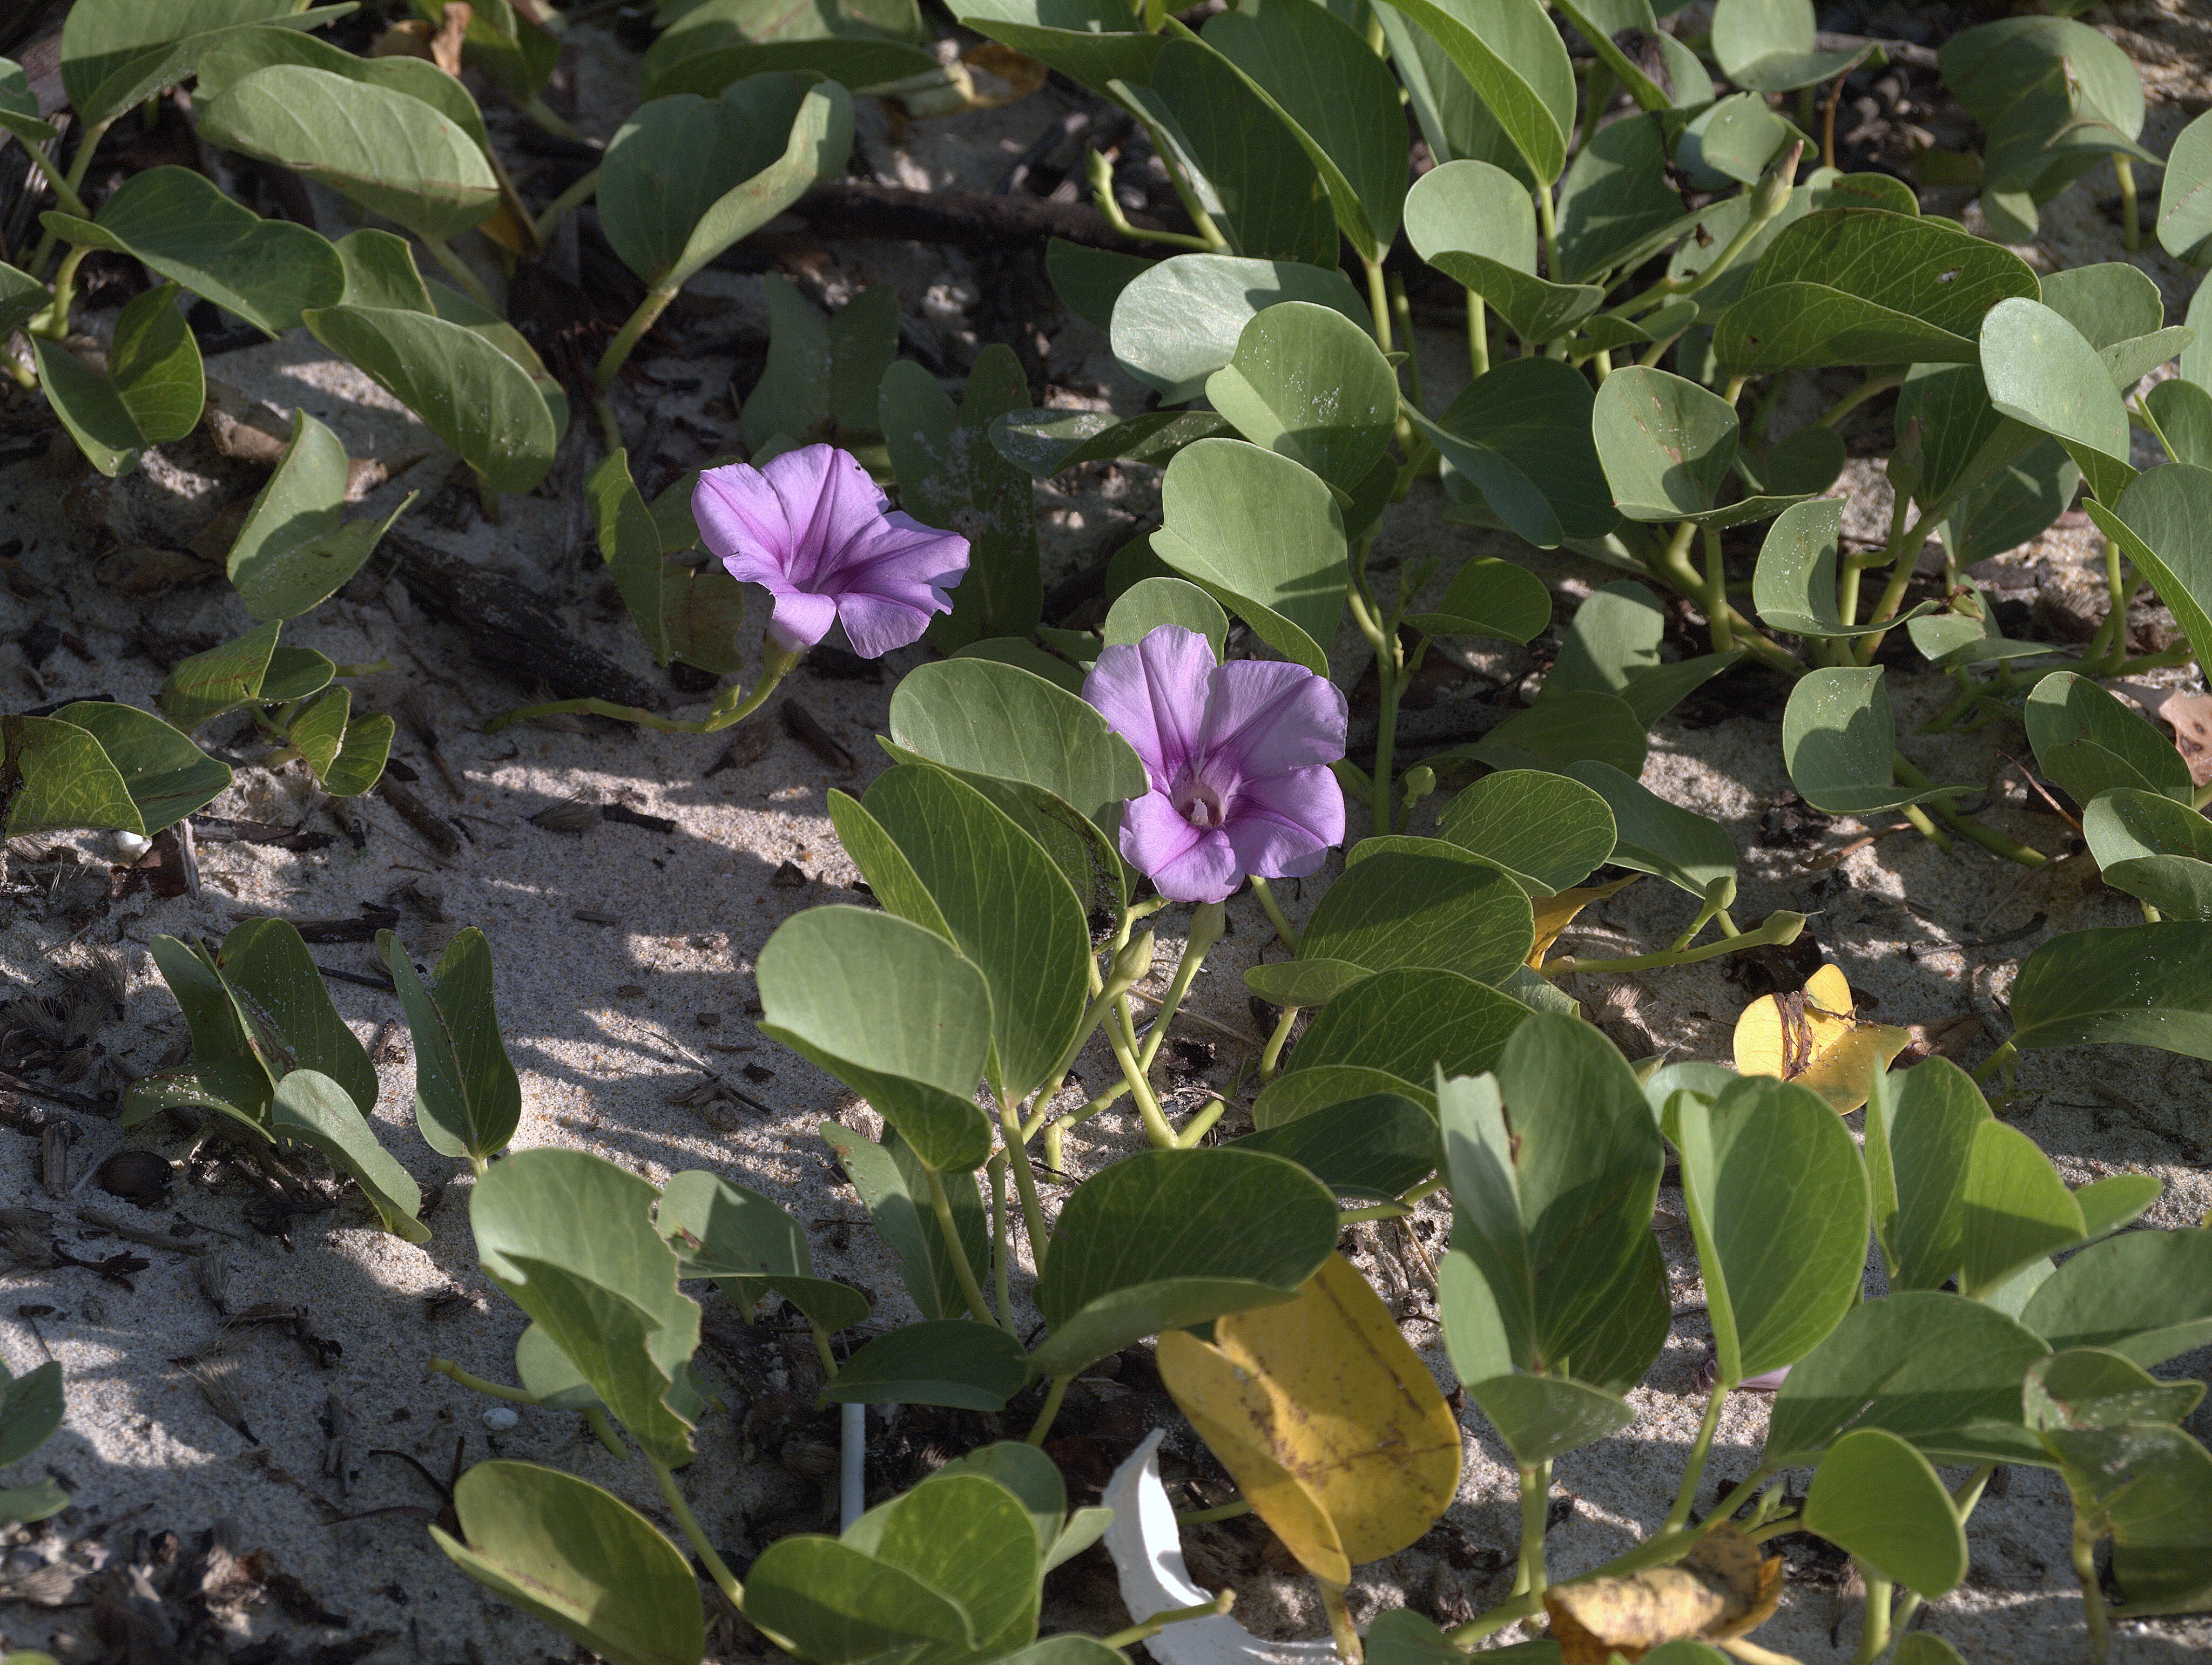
500	1418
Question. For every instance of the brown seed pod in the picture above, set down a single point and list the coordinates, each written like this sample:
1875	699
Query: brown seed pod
137	1176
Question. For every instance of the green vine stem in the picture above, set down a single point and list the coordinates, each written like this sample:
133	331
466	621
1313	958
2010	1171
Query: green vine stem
73	183
1122	1036
717	1569
1227	1512
462	273
1478	334
1273	910
53	322
1686	1496
1778	930
1874	1627
2130	216
1002	1246
940	1204
1341	1627
476	1383
1209	922
574	197
1160	1622
730	707
1535	1506
1102	192
1050	1409
1273	1056
821	1352
595	1419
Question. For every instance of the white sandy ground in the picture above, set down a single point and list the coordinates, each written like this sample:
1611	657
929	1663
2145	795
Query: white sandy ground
607	1023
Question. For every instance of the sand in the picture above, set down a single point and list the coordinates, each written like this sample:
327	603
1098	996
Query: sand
621	1025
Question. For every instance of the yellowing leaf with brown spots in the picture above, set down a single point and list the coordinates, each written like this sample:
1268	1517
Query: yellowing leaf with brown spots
1811	1037
1556	912
1330	1424
1721	1589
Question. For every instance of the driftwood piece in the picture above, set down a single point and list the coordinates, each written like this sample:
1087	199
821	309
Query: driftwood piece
508	629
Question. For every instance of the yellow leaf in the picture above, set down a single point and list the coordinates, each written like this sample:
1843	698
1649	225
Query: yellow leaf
1812	1037
1330	1424
1556	912
1721	1589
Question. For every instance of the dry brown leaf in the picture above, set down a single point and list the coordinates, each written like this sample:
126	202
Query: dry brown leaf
1721	1589
1811	1037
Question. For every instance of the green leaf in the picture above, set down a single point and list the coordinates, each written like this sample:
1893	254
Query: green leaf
30	1411
1263	536
468	1098
2145	1295
685	178
58	776
1582	725
944	1361
212	1016
1737	138
1547	832
1514	59
2154	847
1408	1023
1838	740
579	1559
1402	909
1543	1417
221	679
1043	443
19	107
1035	1482
248	50
1487	597
2184	197
998	898
469	394
361	756
1087	42
315	1110
2163	522
266	964
821	378
2041	371
115	53
1151	603
2143	986
1617	206
840	1605
1475	223
1557	1212
237	1087
968	1534
549	1373
1876	1497
894	1186
2183	411
569	1236
1920	1124
1666	445
180	224
856	63
167	777
1938	1370
749	1247
1656	837
1339	101
1963	439
295	551
2088	741
317	729
155	366
1522	434
1778	1199
1179	319
1169	1239
1379	1145
1090	281
90	406
372	144
1768	45
1307	382
896	1013
1307	981
2054	96
1793	588
949	476
1249	172
1864	285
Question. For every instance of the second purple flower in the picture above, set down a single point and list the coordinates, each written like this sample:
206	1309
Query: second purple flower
1237	757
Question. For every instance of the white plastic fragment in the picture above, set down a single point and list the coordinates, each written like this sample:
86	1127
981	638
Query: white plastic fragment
1147	1551
500	1418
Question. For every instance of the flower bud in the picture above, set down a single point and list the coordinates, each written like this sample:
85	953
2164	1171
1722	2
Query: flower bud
1771	194
1130	967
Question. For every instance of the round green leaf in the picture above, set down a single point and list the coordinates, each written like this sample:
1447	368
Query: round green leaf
2183	411
246	51
1305	982
1513	57
895	1186
1838	740
2163	520
2040	371
550	1375
1654	836
1768	45
1179	319
967	1536
2185	198
2145	1295
2088	741
294	550
1543	1417
90	406
1475	223
1738	138
468	1098
1086	41
1938	1370
855	64
392	153
2154	847
1665	445
115	53
1581	725
469	394
944	1361
2141	985
749	1247
1303	1093
1778	1199
30	1410
1920	1124
1147	604
315	1110
267	962
1379	1145
1043	443
1309	384
840	1605
1401	909
1794	586
1169	1239
1522	435
896	1013
1262	535
1876	1496
167	777
1409	1023
1546	831
579	1559
1487	597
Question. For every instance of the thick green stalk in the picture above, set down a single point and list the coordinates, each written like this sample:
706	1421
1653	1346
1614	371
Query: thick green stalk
1160	1622
1779	928
717	1569
1264	896
1717	611
940	1204
1002	1243
1053	1395
1874	1628
1102	193
1273	1056
1208	925
1478	333
729	708
1686	1496
1122	1036
1535	1506
477	1384
2130	216
626	339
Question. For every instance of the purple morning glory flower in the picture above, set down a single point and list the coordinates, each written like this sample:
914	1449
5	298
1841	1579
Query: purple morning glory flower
811	527
1238	758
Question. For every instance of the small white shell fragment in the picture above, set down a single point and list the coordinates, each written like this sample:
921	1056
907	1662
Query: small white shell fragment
129	846
1147	1551
500	1418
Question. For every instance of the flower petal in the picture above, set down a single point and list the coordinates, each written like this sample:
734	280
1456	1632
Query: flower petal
1281	826
1153	694
741	519
874	624
1265	716
1187	864
830	502
800	619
